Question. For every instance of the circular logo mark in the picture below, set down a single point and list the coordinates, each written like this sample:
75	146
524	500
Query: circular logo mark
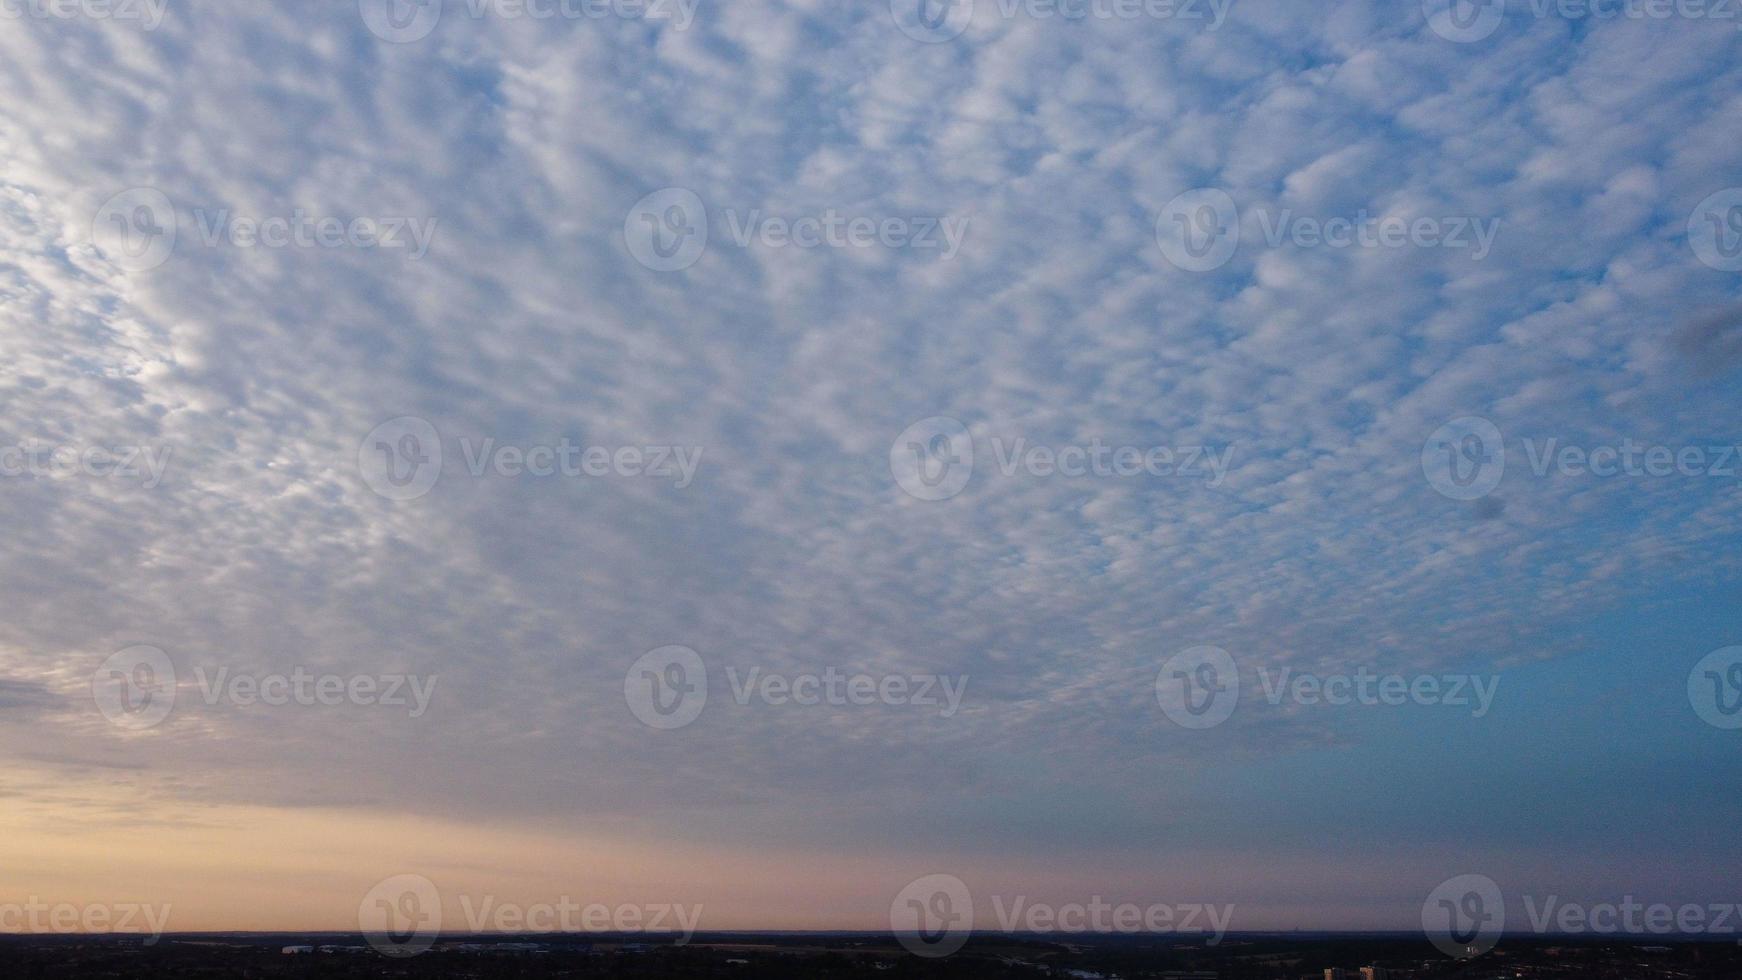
667	688
933	459
1464	21
401	916
136	229
1199	230
933	916
135	688
400	21
1715	688
1464	916
1715	230
1198	688
1465	458
401	459
932	21
667	230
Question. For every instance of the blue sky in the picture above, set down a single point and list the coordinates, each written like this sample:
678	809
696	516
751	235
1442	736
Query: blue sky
1597	151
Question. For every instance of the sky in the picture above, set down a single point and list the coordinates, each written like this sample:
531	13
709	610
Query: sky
444	441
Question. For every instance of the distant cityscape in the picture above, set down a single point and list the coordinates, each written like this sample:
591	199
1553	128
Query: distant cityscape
848	955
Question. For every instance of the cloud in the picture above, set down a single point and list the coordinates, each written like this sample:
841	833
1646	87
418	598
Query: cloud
1060	322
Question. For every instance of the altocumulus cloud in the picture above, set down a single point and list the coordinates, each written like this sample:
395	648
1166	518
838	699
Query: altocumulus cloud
1058	321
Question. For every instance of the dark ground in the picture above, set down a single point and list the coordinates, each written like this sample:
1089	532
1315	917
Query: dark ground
755	957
